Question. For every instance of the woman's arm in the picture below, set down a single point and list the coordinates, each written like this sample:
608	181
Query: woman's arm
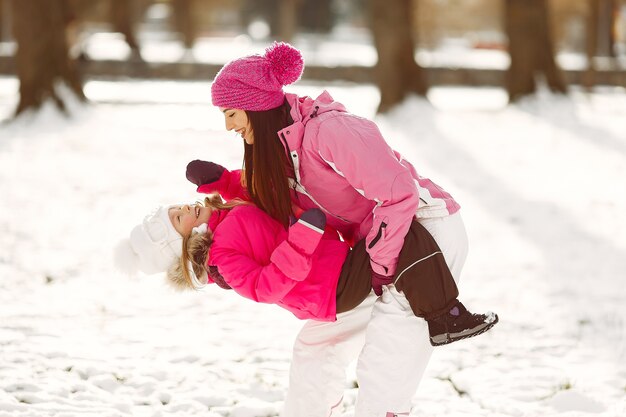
356	150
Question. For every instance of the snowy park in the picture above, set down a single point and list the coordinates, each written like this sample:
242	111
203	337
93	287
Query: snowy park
541	182
543	194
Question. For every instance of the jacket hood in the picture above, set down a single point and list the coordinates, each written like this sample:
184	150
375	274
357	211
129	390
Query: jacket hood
303	110
306	108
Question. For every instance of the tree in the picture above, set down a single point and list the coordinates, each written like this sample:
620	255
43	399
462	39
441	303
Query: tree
123	20
288	19
606	13
42	59
396	72
1	20
183	21
600	35
315	16
531	48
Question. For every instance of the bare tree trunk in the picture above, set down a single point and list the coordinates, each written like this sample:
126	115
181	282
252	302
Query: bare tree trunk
316	16
184	21
288	19
531	48
605	44
591	43
1	20
396	73
123	20
42	55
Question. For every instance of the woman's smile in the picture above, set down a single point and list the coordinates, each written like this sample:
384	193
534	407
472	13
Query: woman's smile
237	120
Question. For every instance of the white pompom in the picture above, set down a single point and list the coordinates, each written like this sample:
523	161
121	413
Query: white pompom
124	258
203	228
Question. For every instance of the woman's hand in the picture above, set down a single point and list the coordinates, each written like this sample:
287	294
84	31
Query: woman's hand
378	281
314	217
203	172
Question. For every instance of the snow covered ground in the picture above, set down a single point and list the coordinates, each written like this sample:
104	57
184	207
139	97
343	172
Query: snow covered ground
543	190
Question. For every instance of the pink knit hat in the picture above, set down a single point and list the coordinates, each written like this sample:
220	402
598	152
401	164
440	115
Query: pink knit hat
256	82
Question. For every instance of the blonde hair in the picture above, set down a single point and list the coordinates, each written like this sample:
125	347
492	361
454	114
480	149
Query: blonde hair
196	248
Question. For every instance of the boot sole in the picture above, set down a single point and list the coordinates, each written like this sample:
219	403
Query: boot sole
445	339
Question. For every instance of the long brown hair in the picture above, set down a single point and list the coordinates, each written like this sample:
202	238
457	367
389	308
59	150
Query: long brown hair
265	162
196	247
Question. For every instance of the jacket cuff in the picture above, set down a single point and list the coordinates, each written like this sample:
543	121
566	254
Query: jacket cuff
220	186
386	270
305	237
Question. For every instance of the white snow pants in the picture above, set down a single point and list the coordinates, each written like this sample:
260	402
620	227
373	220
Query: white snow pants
393	344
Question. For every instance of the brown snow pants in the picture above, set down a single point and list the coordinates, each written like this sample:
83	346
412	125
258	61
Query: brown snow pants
422	275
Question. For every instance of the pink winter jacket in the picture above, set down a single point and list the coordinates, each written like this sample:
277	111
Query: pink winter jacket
297	269
343	165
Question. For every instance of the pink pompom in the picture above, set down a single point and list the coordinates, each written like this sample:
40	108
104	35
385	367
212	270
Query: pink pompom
286	62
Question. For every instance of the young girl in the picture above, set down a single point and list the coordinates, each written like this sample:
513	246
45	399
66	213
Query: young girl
305	268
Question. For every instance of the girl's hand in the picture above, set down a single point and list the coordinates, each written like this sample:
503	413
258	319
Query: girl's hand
203	172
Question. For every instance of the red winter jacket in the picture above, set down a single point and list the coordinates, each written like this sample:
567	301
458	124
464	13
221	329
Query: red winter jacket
297	269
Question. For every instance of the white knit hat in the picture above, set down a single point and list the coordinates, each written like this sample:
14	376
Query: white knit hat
153	245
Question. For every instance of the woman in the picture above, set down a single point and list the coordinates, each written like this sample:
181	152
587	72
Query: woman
313	153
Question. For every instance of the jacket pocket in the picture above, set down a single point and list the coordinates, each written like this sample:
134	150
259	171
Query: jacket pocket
379	235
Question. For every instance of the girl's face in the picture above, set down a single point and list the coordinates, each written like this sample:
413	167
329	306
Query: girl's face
237	120
185	218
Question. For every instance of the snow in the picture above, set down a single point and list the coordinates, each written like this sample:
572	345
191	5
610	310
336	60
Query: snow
543	190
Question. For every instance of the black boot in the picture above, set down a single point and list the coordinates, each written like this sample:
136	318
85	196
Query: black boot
457	324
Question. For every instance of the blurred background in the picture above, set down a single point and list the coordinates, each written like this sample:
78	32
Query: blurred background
516	107
402	46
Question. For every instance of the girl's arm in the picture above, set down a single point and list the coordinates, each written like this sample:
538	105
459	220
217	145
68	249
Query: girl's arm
290	262
260	283
211	177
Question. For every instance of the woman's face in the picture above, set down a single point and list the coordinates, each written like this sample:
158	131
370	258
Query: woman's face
185	218
237	120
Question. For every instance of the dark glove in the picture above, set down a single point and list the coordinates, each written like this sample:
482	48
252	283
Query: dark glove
378	281
204	172
216	277
315	217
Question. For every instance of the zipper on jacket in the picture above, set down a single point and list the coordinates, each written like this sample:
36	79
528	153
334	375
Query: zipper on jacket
284	141
296	185
374	241
314	114
300	189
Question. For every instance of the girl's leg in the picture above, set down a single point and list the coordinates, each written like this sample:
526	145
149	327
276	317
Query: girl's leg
321	353
397	348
